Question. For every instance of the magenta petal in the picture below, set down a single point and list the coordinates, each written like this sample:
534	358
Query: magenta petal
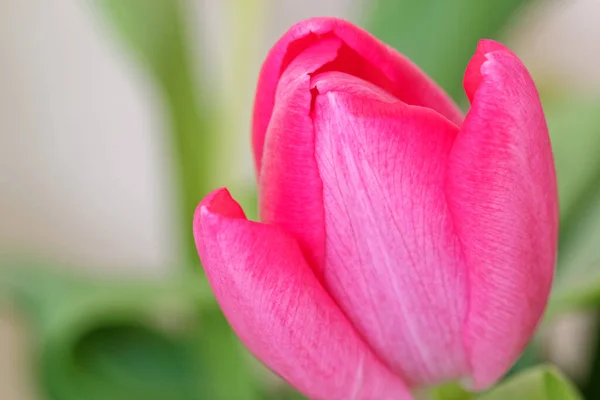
290	189
393	263
280	310
502	194
363	56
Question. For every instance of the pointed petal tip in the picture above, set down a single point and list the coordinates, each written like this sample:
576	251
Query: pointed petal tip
486	46
473	74
218	202
314	23
216	206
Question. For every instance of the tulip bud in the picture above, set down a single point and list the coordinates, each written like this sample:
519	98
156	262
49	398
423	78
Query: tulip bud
400	245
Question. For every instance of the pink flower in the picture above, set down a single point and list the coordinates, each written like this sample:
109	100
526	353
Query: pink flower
400	245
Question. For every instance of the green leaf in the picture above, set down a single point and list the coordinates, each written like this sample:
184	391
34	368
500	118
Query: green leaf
450	391
440	36
539	383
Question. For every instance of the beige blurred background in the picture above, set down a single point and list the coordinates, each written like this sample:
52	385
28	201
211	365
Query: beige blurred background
84	171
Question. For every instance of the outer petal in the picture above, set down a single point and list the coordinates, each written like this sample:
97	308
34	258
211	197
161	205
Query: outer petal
364	56
392	259
501	190
280	311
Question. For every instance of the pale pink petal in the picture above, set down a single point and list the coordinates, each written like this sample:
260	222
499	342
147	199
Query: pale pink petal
361	55
501	190
393	263
281	312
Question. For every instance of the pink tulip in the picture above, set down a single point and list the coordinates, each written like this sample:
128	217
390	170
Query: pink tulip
400	244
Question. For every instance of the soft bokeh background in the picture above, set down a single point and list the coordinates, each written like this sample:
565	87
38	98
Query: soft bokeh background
92	170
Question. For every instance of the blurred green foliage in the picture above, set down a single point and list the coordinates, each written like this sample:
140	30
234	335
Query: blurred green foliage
543	382
102	338
440	36
574	124
539	383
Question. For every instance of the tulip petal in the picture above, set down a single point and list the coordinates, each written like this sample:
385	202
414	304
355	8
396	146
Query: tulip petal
501	190
280	310
290	191
392	259
362	55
